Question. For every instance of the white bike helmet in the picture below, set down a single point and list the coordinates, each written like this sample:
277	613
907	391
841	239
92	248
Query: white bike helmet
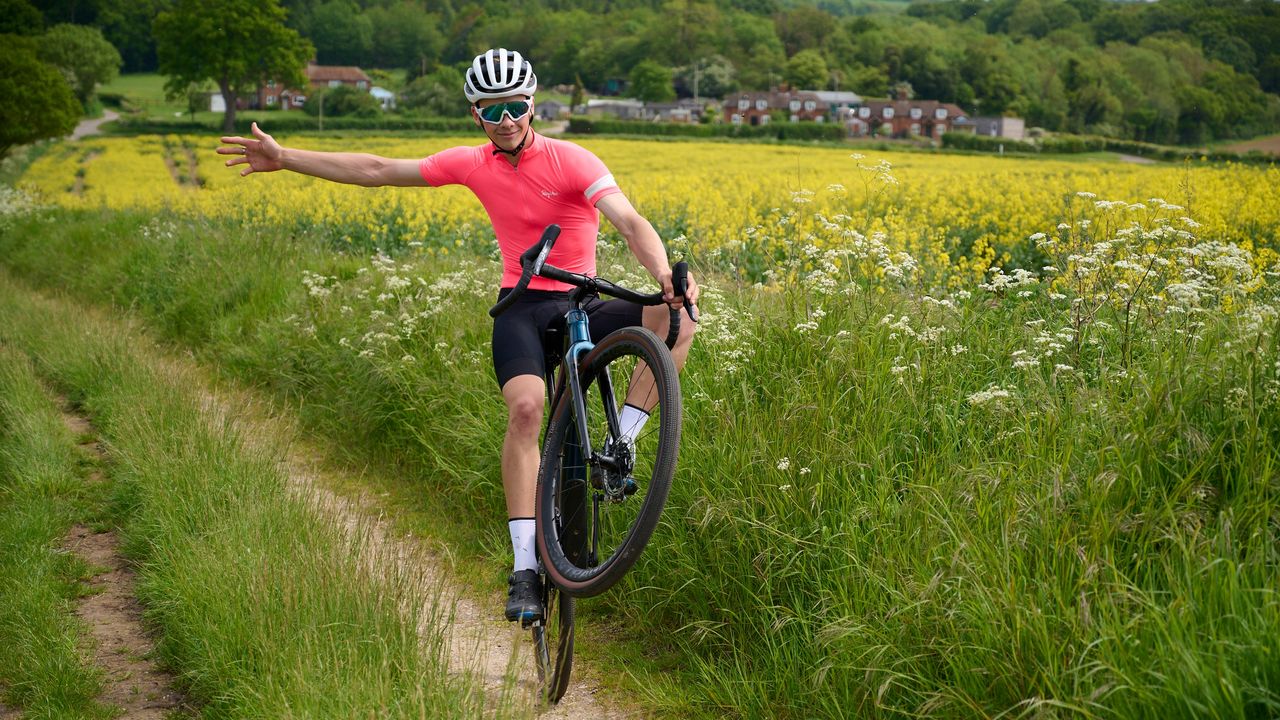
499	73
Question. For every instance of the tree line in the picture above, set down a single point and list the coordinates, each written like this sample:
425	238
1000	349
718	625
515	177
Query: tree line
1184	71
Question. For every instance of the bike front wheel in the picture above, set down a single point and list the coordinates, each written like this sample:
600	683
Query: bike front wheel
624	480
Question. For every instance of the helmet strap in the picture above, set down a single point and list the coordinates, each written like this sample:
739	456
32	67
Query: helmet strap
519	147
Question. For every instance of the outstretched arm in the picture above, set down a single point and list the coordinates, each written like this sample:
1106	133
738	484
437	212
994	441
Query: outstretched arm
645	245
261	153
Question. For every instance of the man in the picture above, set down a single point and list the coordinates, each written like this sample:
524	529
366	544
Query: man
525	182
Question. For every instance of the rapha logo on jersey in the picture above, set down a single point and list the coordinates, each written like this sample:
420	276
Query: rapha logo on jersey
549	193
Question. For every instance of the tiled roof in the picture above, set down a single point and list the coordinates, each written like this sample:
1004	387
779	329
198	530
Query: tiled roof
343	73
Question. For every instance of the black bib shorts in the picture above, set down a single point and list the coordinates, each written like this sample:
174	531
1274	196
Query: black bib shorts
518	333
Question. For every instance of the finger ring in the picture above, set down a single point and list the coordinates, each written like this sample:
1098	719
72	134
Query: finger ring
244	151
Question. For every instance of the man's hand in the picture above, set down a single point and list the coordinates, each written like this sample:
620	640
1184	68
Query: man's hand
669	294
261	152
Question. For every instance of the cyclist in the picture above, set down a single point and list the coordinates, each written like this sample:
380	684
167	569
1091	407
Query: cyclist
525	181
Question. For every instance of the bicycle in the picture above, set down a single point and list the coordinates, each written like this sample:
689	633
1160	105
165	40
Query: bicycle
596	484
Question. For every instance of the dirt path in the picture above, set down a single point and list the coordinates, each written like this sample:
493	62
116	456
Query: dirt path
480	642
1135	159
90	126
120	646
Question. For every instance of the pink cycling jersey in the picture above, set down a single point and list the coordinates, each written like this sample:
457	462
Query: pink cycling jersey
554	182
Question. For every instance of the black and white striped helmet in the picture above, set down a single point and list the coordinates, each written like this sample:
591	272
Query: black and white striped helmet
499	73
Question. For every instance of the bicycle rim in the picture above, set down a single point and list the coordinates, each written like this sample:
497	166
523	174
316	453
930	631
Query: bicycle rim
632	365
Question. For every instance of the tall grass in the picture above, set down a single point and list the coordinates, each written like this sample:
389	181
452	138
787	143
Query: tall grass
265	606
974	502
42	494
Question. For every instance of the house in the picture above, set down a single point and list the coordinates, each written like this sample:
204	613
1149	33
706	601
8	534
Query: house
839	104
619	108
1013	128
906	118
551	110
758	108
385	97
681	111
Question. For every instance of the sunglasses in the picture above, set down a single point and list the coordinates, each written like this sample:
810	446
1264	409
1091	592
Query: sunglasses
493	114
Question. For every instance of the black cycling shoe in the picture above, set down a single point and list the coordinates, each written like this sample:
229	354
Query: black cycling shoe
524	597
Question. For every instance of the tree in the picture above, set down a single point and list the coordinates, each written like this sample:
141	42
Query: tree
406	37
651	82
342	35
713	77
238	44
35	101
436	93
19	18
806	70
83	55
342	100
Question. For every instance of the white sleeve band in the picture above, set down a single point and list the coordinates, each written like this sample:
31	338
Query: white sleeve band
605	182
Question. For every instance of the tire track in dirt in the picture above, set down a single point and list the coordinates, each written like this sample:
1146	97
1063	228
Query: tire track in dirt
119	643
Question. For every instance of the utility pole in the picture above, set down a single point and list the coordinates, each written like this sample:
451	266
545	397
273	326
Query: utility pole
322	110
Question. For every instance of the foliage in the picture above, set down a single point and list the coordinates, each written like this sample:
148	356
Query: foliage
651	82
35	100
711	77
237	44
782	131
341	101
806	70
436	93
83	55
18	17
341	33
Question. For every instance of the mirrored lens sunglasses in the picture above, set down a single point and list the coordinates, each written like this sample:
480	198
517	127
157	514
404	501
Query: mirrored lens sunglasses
493	114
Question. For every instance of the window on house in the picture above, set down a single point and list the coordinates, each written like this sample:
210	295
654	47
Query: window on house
810	105
915	128
764	119
864	112
820	118
744	104
795	105
940	113
737	119
271	100
362	84
915	113
335	83
762	104
795	118
888	113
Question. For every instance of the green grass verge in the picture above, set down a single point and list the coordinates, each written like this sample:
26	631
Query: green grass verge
853	529
264	608
42	494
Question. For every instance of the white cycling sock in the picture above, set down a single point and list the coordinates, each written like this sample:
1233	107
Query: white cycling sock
523	543
632	420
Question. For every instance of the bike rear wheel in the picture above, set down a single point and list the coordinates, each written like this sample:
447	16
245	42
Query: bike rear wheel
553	643
579	499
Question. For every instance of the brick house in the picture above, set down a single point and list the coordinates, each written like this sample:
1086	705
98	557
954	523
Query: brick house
758	108
906	118
271	96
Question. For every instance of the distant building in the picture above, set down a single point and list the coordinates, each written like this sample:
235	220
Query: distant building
273	96
385	97
906	118
759	108
551	110
1013	128
681	111
620	108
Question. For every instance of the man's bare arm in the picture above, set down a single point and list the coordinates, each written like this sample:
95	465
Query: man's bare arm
645	244
261	153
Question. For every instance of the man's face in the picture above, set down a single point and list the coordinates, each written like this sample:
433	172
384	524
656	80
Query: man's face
506	133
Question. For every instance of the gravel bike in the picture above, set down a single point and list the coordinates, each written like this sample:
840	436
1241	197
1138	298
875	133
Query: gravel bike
599	492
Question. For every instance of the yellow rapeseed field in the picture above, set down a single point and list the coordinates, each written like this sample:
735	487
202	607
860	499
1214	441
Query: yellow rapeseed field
957	215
